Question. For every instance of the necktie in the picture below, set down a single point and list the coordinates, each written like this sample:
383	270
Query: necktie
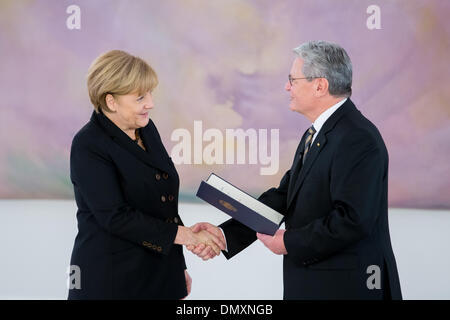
311	132
301	149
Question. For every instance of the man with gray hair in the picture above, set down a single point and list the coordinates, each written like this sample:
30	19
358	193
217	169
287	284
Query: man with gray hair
336	244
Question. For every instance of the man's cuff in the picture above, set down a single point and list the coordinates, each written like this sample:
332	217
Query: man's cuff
226	246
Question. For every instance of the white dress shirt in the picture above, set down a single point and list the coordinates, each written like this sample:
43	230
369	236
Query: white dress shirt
324	117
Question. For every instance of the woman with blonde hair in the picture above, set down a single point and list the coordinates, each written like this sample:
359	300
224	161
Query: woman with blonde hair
130	235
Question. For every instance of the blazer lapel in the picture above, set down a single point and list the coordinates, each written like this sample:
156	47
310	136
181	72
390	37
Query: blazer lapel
296	166
156	152
316	147
313	152
153	156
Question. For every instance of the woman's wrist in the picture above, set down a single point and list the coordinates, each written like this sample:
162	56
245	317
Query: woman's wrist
184	236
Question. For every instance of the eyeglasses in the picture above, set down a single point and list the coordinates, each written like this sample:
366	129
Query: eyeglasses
291	79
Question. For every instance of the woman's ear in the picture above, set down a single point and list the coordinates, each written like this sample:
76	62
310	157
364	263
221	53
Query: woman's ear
111	102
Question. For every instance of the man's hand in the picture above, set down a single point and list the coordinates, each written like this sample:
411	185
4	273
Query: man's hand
203	251
275	243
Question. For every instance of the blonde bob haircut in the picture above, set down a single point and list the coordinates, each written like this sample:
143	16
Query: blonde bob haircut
118	72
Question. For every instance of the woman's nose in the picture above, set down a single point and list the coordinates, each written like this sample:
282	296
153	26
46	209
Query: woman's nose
149	102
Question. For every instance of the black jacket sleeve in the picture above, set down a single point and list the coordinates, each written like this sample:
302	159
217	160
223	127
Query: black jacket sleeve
276	198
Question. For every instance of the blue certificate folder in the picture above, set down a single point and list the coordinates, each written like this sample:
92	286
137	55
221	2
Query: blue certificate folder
239	205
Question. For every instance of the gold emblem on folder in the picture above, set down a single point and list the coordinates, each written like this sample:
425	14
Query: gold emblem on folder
227	205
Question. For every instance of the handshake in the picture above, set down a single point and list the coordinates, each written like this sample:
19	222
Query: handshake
206	240
203	239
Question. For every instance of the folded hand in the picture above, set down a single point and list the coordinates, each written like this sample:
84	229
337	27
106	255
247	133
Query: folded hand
199	238
202	250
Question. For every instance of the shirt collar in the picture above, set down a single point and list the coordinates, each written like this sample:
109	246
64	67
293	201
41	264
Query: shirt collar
326	114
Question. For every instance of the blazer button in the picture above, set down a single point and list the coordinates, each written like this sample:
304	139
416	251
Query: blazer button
165	176
157	176
171	197
147	244
159	249
163	198
175	220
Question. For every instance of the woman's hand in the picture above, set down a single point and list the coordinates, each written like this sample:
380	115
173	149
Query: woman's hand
201	250
188	282
206	238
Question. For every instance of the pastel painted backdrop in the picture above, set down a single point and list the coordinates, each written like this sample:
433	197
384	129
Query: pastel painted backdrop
225	63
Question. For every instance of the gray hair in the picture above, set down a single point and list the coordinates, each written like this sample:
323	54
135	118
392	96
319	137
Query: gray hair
323	59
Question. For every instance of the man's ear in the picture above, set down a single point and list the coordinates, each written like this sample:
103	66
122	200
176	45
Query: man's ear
111	102
321	87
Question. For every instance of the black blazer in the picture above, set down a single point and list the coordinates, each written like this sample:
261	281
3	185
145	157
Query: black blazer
127	215
336	215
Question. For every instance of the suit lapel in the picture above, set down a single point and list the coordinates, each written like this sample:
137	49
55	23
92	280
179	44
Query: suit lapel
152	157
296	166
316	147
156	152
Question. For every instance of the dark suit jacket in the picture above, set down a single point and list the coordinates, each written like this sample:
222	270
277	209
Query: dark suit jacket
336	215
127	215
